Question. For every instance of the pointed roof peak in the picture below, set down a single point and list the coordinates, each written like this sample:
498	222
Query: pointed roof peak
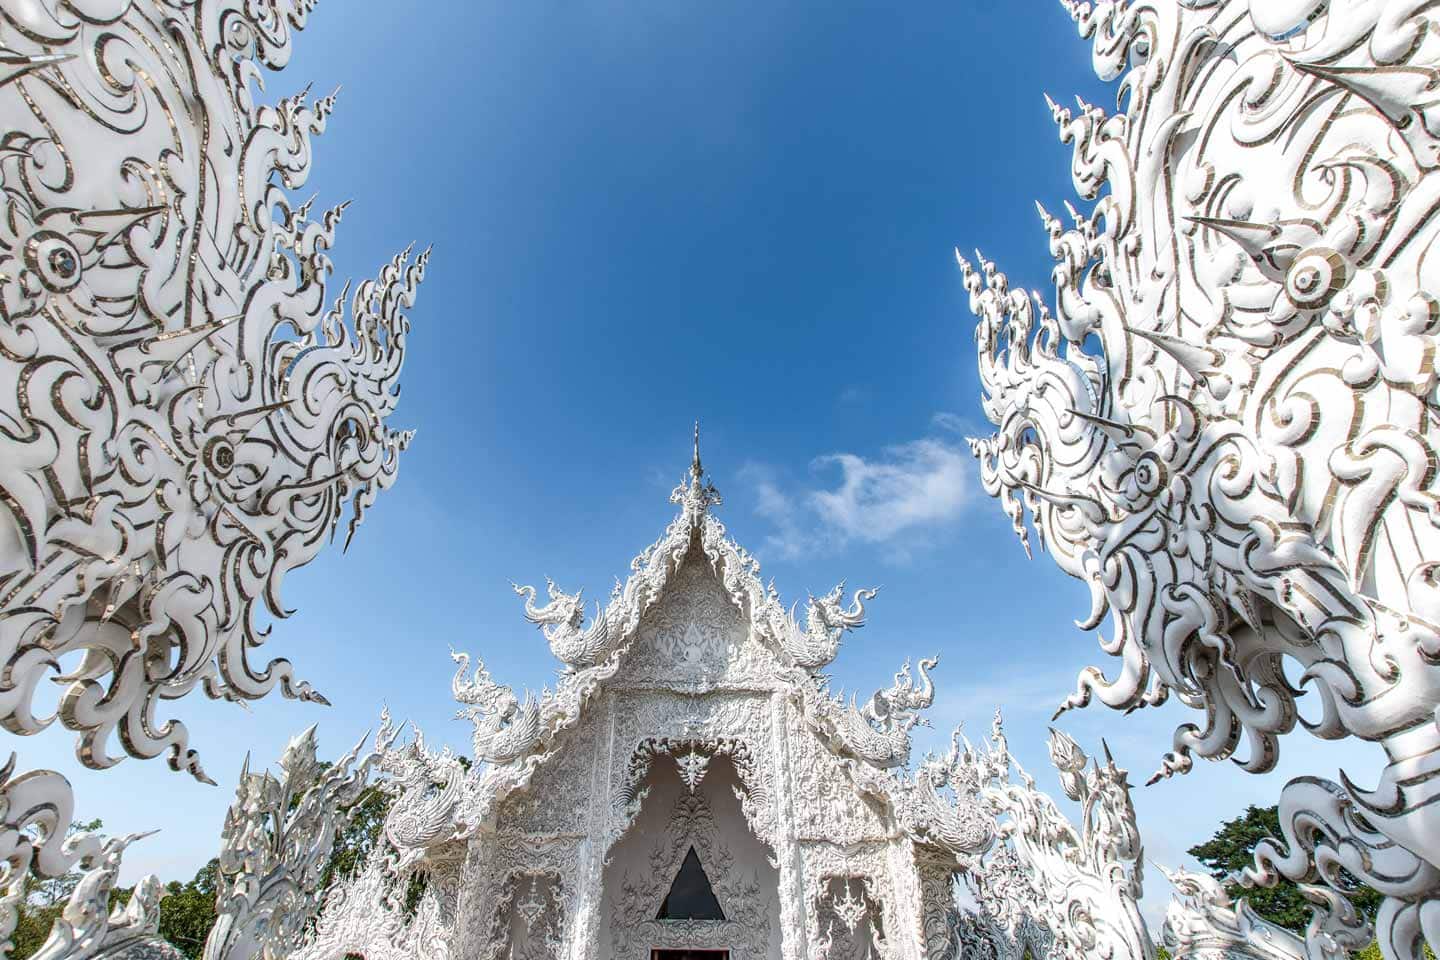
695	493
696	470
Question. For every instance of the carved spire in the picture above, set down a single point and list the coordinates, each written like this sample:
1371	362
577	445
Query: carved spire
696	470
696	494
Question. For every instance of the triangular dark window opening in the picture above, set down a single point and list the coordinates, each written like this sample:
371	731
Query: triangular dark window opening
691	897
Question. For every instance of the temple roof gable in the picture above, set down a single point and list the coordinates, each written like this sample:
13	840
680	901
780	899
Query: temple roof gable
692	617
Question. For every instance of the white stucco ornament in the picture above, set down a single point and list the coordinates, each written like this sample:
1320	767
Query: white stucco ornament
188	414
185	412
1204	923
1227	428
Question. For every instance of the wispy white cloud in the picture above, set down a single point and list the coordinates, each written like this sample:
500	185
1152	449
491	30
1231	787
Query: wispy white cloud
895	499
1027	691
908	486
789	541
952	423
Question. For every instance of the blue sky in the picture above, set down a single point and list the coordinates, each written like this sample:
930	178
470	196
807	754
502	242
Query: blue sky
650	211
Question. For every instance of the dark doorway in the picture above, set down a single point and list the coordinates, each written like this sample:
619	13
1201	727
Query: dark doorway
658	954
690	898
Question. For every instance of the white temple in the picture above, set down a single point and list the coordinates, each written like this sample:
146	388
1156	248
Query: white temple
690	788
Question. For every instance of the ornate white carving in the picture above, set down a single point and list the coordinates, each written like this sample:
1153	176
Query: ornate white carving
735	726
696	637
1080	884
426	789
186	412
530	921
826	621
692	768
850	921
365	915
37	810
1228	427
560	620
87	929
504	728
829	870
507	729
277	838
826	807
499	877
747	926
878	732
1202	923
188	415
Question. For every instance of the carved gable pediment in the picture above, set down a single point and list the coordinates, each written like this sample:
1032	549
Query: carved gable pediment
696	638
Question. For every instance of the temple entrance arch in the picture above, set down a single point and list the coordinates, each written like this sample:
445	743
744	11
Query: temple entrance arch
690	876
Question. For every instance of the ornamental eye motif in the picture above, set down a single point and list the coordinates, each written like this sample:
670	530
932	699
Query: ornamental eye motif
220	455
54	260
1315	277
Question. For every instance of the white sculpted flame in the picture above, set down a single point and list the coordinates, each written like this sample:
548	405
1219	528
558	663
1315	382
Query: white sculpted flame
1045	885
186	414
1228	428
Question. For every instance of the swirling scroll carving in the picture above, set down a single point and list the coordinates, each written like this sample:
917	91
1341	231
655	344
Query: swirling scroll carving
1203	923
1227	428
89	929
187	417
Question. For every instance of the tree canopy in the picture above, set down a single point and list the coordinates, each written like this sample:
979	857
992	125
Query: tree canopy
1233	847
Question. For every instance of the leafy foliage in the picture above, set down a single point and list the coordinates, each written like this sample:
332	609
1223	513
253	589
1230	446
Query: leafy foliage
188	910
1233	847
359	835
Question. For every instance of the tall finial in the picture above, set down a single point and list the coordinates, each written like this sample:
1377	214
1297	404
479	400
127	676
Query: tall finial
695	492
696	470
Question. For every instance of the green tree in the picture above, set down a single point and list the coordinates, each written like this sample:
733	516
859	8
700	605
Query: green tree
188	910
359	836
1233	847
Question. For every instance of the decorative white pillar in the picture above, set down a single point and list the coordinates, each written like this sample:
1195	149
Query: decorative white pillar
908	937
794	928
583	936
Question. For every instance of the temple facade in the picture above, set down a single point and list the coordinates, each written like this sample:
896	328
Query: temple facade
690	788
